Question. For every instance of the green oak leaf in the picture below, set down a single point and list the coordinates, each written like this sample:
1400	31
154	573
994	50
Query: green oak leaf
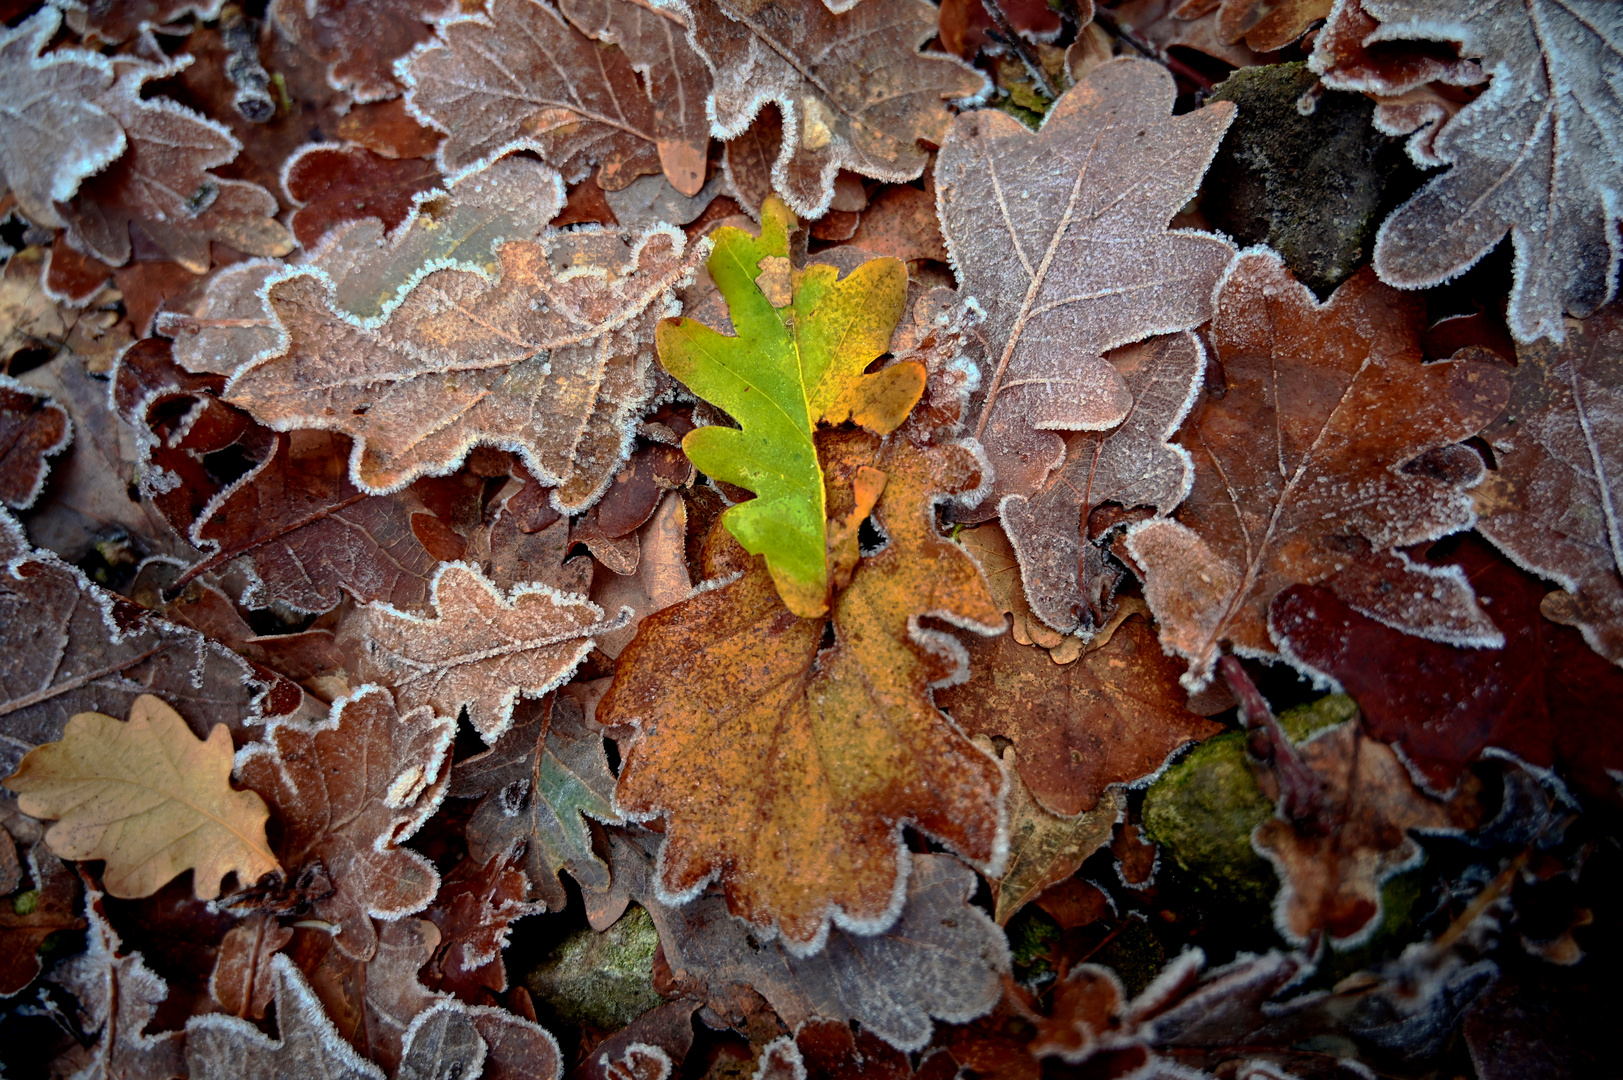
804	341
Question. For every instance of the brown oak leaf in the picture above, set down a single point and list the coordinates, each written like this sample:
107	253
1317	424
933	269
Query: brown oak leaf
73	647
118	996
32	428
1164	25
521	77
162	183
1535	156
360	42
1555	504
474	911
553	361
242	982
346	793
331	183
1133	464
1264	25
537	784
1358	459
57	133
655	39
943	957
1545	697
1111	717
1331	878
784	769
294	517
149	798
1061	235
483	648
854	90
371	268
116	21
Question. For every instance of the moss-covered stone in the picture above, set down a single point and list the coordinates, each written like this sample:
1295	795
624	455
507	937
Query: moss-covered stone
603	980
1203	810
1313	187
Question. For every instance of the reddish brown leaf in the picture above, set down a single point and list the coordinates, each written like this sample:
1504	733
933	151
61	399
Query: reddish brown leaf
242	983
474	912
965	24
1111	717
1545	697
796	810
359	42
1267	25
32	428
346	795
332	184
25	923
163	185
901	223
388	129
1356	460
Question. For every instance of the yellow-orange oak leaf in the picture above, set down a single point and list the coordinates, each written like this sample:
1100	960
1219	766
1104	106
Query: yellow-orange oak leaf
150	798
786	769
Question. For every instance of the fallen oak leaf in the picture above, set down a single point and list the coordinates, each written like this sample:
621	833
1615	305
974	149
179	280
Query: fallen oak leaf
833	749
1078	259
1535	156
804	340
1264	25
1133	464
538	783
474	910
118	23
1114	716
27	921
520	77
331	183
854	90
32	428
1555	503
464	361
148	797
360	44
943	957
242	982
163	183
57	134
346	793
1353	412
482	648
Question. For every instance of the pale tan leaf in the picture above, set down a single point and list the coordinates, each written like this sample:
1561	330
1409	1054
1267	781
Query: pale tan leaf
149	798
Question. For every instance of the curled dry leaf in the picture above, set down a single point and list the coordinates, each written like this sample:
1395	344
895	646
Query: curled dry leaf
943	957
242	982
1555	504
1331	877
474	910
1359	428
1076	258
804	341
1044	848
1539	155
552	361
483	648
32	428
823	753
371	269
150	798
1163	25
1265	25
56	133
360	43
1545	697
346	793
1350	53
118	996
853	89
119	22
1111	717
1133	464
539	782
522	78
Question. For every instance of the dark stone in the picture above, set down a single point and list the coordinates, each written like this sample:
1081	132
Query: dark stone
1313	187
